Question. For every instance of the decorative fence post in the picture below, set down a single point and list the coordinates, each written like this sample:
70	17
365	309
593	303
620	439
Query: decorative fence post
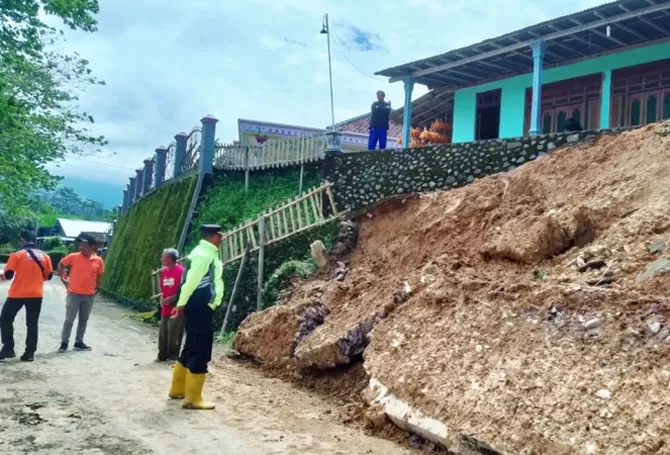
333	141
179	153
139	184
124	205
207	144
147	173
159	175
132	189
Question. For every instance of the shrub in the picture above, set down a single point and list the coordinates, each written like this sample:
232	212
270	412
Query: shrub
52	244
281	278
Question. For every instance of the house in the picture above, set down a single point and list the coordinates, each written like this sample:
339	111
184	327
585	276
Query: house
354	132
68	230
607	66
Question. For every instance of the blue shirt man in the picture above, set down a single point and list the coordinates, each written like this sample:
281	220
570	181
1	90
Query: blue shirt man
379	122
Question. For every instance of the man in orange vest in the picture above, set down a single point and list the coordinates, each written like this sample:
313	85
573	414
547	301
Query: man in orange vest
29	268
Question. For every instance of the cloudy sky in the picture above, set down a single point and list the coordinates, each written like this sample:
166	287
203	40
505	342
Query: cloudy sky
168	63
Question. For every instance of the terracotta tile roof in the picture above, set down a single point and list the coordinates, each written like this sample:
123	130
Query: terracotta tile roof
361	124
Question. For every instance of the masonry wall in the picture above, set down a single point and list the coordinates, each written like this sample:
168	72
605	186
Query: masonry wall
362	179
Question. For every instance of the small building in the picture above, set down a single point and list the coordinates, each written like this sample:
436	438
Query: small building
68	230
354	131
604	67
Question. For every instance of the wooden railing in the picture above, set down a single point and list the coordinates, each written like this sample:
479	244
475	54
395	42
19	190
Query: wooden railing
304	212
273	153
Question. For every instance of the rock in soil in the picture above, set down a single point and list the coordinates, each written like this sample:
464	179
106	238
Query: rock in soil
273	334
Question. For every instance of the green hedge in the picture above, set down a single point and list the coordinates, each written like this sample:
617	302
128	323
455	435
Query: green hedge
4	258
148	227
225	201
276	254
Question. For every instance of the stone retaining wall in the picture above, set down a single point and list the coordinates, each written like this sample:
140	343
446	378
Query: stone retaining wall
362	179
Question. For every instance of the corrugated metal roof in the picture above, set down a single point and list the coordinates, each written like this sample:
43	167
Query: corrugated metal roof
72	228
573	37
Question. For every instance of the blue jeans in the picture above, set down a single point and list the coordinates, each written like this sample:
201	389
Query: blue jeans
377	135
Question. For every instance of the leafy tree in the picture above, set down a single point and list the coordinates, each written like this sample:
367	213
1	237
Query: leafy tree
39	118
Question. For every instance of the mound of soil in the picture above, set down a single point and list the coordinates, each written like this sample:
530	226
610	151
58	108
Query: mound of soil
527	310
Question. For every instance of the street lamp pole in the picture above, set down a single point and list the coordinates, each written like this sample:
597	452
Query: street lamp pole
325	30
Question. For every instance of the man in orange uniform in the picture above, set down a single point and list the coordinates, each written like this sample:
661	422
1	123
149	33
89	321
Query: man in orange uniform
82	282
30	268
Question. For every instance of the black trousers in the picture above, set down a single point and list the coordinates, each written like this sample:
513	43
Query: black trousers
8	314
198	323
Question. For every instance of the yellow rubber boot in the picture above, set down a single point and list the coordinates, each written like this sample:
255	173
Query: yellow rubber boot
178	388
194	385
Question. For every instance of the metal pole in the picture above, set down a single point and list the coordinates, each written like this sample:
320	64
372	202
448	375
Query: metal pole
330	73
246	168
234	293
261	259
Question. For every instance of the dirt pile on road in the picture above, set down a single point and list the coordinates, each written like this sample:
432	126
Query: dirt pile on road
524	312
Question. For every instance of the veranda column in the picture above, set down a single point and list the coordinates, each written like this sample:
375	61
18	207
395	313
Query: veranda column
605	98
538	48
407	110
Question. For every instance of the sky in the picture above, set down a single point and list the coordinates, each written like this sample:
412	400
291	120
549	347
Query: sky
168	63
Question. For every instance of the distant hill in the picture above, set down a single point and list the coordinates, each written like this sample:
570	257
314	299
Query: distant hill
108	194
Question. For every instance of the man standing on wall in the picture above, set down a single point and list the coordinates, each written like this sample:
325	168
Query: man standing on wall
200	294
29	268
379	122
82	282
171	329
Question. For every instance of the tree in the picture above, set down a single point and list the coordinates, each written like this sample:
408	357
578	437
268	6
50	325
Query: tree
39	118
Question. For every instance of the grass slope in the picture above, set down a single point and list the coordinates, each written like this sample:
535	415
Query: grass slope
143	232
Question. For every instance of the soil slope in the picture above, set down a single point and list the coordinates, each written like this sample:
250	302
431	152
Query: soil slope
527	310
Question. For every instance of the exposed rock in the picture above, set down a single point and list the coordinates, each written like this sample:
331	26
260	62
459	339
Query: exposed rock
604	394
660	266
346	239
272	335
654	327
593	324
657	246
318	253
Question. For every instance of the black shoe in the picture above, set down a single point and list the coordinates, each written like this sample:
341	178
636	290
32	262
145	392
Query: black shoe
63	348
28	357
7	354
81	347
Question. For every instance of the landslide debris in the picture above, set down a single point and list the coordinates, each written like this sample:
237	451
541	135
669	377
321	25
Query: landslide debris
526	312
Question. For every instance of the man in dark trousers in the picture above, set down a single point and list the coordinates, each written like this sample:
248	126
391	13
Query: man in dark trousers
29	268
379	122
200	293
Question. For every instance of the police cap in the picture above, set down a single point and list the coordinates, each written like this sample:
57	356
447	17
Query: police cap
210	229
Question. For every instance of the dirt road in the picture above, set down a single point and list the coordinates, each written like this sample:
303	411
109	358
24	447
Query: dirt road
113	400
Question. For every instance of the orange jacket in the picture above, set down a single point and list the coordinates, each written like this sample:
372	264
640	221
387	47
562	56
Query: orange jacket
28	278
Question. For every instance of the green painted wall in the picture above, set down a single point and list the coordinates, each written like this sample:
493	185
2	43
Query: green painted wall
513	90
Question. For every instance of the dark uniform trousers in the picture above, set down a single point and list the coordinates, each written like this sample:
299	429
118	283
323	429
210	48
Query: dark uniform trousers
8	314
198	323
